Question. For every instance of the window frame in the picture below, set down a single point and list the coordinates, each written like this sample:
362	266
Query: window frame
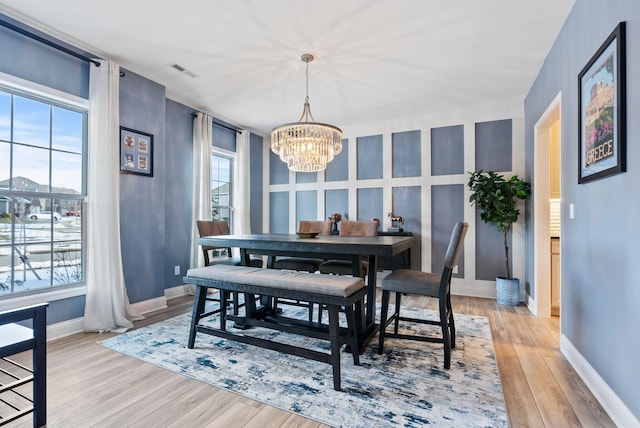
231	156
32	90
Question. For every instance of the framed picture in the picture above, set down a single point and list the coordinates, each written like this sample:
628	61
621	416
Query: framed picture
136	152
602	111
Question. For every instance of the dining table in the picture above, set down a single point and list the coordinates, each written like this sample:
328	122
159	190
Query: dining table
331	247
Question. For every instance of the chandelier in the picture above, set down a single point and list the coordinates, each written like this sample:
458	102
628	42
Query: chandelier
306	145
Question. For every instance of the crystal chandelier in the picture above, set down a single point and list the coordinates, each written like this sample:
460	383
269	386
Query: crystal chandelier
306	145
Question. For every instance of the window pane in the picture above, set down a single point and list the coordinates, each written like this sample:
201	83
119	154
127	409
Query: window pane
69	226
224	169
31	122
5	116
35	227
66	173
222	214
35	272
66	133
67	263
41	237
215	192
30	169
5	153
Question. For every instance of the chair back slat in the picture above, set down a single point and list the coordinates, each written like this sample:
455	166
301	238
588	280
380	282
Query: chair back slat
359	228
455	244
212	228
319	227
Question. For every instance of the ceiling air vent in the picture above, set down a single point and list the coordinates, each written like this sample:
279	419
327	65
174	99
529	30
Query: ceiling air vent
181	69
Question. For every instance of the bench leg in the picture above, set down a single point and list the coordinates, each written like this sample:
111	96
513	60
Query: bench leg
198	308
334	337
224	301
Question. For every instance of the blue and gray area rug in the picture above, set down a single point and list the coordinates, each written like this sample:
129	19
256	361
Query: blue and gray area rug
407	386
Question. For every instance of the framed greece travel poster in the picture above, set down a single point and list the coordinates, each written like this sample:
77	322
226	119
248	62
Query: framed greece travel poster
136	152
602	104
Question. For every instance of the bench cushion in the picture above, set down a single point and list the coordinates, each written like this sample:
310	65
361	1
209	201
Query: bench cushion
331	285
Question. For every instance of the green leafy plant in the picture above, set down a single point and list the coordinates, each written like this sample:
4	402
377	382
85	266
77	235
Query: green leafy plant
497	199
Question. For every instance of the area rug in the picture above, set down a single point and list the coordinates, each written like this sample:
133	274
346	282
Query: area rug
406	386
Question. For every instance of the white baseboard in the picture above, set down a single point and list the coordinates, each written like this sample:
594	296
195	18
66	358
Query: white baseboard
150	305
486	289
178	291
64	328
531	304
612	404
73	326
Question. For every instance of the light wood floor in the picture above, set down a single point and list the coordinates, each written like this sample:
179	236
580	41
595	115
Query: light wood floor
91	386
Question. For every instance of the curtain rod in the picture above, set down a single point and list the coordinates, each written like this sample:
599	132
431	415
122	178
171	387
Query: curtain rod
48	42
221	125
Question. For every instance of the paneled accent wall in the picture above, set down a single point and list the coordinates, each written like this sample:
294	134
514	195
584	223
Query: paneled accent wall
306	205
415	168
447	207
369	158
278	212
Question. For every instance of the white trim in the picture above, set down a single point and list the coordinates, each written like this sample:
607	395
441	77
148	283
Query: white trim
43	91
150	305
65	328
612	404
541	275
76	325
177	291
46	296
531	304
477	288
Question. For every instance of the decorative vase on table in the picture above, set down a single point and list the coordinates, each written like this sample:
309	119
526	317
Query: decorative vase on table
335	219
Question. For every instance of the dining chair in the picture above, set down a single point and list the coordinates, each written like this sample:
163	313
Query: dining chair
310	265
345	267
214	228
436	285
351	228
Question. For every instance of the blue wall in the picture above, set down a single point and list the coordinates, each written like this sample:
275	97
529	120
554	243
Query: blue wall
256	185
155	211
142	198
31	60
177	203
600	269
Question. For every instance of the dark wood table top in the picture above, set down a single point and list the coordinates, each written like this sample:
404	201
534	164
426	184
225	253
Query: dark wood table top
280	244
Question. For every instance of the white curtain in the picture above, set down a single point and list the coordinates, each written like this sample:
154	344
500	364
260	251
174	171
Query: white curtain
107	305
241	213
202	140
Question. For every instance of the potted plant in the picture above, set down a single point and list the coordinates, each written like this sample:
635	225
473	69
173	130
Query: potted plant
497	199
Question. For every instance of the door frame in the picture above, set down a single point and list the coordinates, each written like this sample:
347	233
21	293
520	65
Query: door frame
540	304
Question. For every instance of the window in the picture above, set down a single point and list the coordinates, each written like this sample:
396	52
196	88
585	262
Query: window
43	145
221	186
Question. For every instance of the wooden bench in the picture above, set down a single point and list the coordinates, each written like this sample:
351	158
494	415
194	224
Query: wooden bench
332	291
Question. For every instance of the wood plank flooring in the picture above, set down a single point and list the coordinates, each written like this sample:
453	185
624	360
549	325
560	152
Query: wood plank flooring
91	386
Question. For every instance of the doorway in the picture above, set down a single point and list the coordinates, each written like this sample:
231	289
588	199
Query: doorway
547	197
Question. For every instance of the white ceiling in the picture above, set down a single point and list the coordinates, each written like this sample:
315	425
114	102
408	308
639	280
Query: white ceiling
375	59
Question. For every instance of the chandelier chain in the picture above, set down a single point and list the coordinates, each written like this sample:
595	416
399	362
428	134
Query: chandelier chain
306	99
